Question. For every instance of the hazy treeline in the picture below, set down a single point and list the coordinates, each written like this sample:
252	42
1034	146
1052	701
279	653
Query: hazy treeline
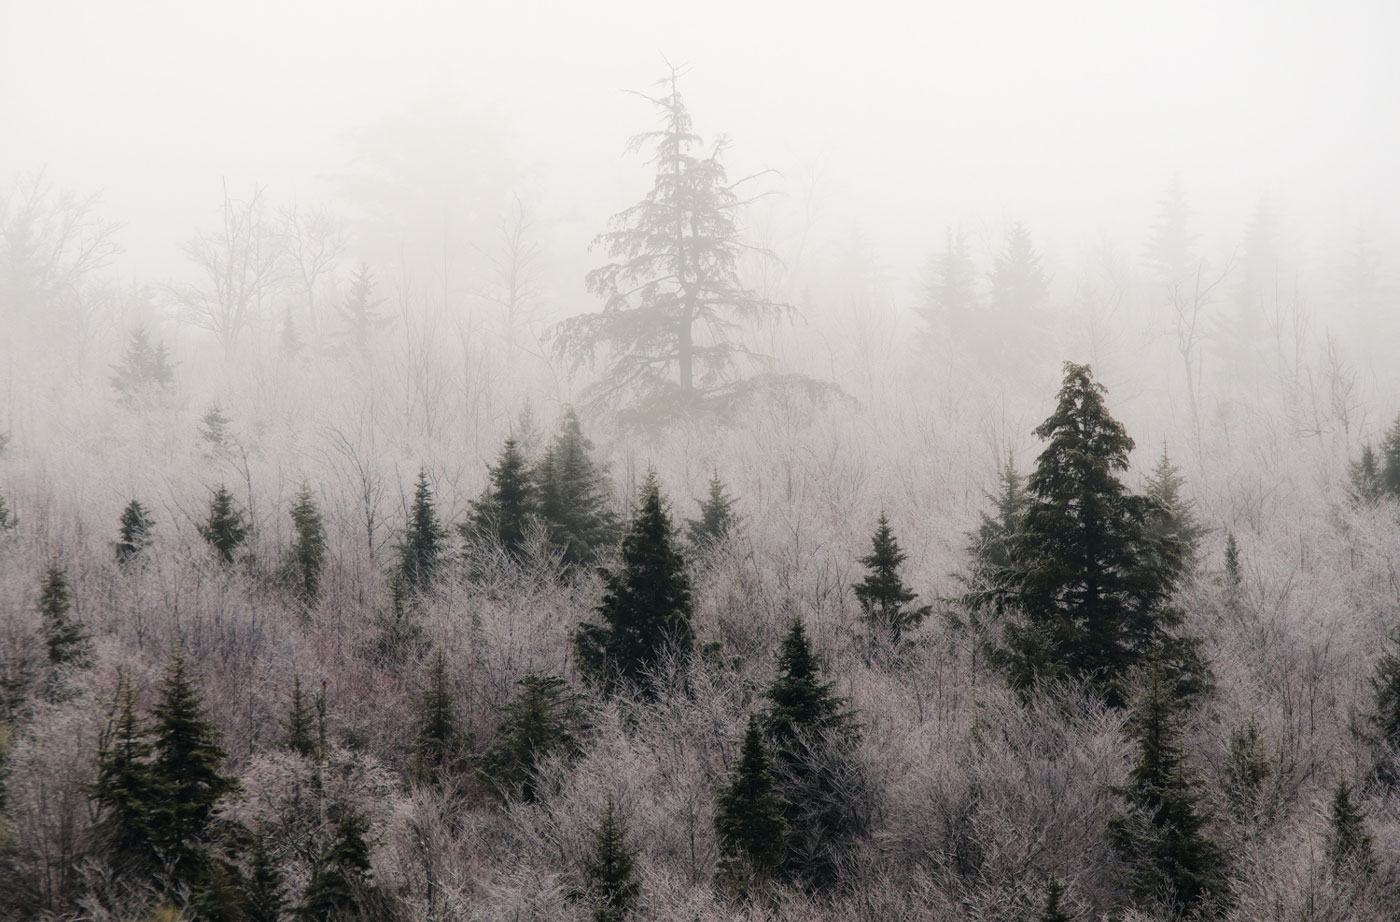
334	583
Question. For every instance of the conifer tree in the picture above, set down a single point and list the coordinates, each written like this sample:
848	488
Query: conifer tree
226	528
992	542
215	431
673	298
185	771
884	599
1052	911
1161	838
421	549
509	505
399	630
814	736
8	519
1385	685
1173	521
1247	770
542	721
611	886
360	312
135	534
299	729
646	608
717	519
263	886
1365	487
749	819
1350	849
573	496
145	371
67	640
308	552
1090	585
341	879
1234	575
950	300
126	791
439	732
1390	460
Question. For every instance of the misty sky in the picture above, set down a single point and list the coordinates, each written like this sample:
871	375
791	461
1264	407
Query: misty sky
901	117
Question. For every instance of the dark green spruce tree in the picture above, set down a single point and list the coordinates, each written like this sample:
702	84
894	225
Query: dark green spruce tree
135	534
68	642
307	555
1173	519
505	512
299	729
717	519
885	602
646	609
1091	584
262	887
750	820
439	735
1390	460
421	548
1365	487
814	737
341	885
225	529
611	886
126	792
1052	909
185	771
989	548
1171	861
542	721
1385	686
1350	848
574	495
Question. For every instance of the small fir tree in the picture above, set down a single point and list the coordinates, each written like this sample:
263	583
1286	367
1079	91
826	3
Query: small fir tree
814	737
399	633
341	880
8	519
1365	487
574	495
611	886
885	601
263	886
749	819
1385	686
308	552
185	769
1170	859
126	791
1247	771
1234	574
360	312
1052	910
541	722
226	528
68	642
135	534
299	728
646	609
1350	849
1173	521
717	519
421	549
145	372
1390	460
506	510
439	732
215	430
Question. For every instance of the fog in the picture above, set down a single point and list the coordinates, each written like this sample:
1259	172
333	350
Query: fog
692	462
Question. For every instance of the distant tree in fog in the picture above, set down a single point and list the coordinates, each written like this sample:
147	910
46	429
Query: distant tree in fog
422	546
673	300
573	495
950	300
717	519
135	533
226	528
145	371
360	311
242	266
507	507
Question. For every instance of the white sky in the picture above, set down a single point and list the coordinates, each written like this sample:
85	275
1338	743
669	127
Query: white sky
1069	115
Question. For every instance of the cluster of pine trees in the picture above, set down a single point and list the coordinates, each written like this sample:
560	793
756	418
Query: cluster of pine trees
1070	594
